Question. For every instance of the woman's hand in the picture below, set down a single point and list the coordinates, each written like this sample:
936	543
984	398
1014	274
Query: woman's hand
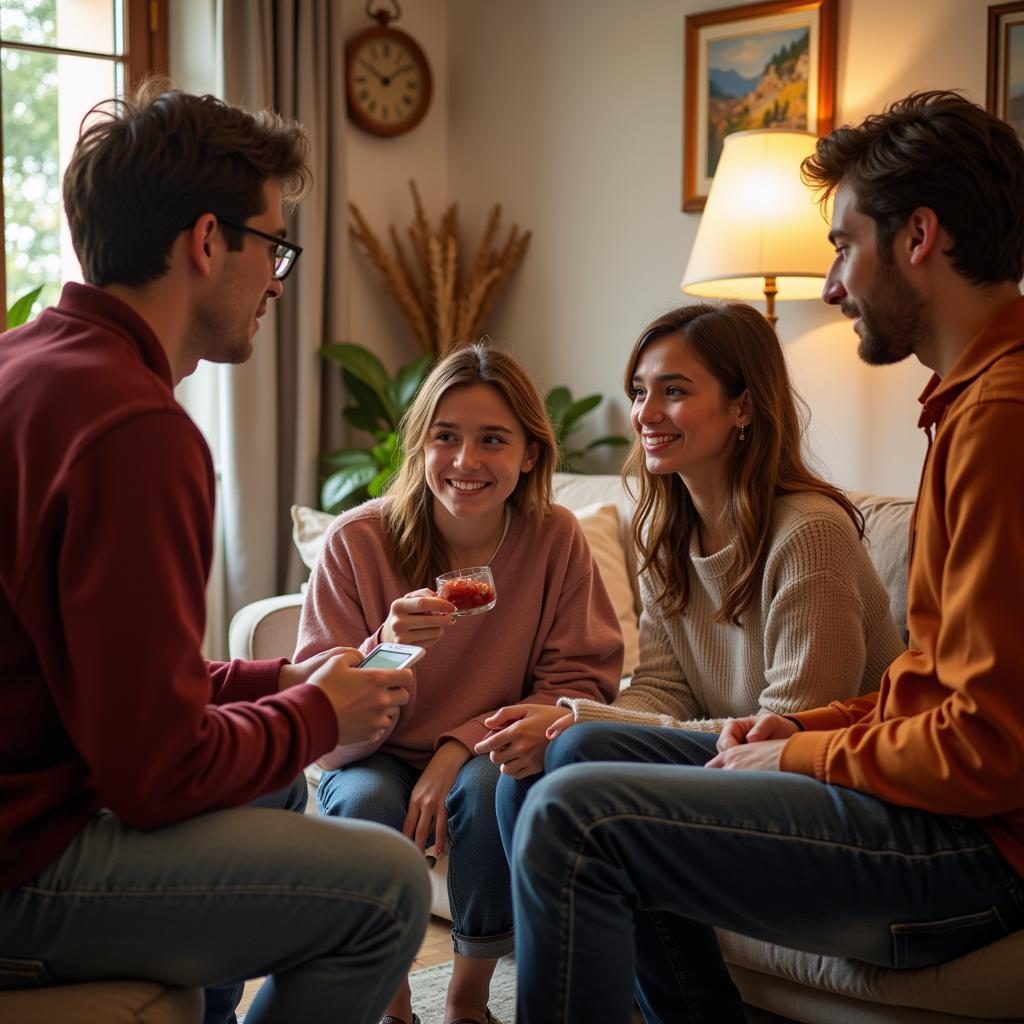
753	744
418	618
755	729
519	737
427	811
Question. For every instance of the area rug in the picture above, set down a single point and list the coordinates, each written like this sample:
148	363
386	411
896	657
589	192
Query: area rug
429	985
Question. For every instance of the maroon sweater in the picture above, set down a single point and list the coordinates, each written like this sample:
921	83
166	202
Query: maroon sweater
106	526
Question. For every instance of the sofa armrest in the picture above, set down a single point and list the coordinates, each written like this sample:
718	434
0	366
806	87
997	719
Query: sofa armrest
266	629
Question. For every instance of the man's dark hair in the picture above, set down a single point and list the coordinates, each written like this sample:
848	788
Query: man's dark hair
149	165
937	150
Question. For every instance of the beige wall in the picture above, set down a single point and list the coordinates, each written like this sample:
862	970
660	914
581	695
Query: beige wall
570	113
378	173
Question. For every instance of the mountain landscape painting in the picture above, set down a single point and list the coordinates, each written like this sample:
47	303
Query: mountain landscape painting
756	80
1015	77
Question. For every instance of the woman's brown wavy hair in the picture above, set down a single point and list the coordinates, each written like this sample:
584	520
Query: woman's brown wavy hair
417	549
740	348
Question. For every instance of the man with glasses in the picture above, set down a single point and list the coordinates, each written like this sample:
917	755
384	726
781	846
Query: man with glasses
127	763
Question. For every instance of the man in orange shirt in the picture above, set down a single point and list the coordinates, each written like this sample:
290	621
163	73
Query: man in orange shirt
900	813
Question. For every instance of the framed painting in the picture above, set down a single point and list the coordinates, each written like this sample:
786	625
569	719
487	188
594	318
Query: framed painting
1005	91
763	65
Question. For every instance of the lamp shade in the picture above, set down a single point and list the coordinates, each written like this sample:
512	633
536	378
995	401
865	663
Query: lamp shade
760	221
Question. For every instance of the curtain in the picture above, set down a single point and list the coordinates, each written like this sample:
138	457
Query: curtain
272	412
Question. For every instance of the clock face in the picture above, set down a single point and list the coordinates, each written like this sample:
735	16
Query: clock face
388	81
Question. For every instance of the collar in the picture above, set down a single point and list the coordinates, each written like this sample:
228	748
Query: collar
1002	335
87	302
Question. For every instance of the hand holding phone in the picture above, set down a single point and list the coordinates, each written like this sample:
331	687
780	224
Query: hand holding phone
366	697
392	656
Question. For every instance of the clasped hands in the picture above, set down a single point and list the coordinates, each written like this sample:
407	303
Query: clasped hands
752	744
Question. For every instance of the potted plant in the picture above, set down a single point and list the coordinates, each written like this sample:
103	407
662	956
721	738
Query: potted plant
378	402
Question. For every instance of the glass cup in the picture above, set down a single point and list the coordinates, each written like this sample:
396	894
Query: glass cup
470	590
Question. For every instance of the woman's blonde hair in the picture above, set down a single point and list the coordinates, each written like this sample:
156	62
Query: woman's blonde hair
417	550
740	348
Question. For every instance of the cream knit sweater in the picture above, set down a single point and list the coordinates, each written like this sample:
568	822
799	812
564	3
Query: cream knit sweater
818	630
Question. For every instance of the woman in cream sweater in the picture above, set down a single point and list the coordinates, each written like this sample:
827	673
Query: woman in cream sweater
758	593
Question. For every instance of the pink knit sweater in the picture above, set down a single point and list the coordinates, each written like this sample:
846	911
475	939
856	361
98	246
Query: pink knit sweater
553	632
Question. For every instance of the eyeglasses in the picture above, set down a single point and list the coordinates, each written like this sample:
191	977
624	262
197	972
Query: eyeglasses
285	253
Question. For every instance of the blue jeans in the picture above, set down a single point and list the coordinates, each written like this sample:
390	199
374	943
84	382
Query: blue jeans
333	912
479	888
622	871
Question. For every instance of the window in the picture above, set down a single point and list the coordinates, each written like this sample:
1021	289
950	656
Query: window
57	59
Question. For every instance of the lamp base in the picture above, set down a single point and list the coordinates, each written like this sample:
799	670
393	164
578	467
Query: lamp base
770	291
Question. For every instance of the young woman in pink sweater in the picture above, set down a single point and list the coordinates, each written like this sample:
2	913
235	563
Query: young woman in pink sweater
475	489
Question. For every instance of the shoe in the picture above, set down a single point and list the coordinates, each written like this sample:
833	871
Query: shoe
388	1019
469	1020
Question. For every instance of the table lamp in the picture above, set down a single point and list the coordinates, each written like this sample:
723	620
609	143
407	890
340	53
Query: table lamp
762	233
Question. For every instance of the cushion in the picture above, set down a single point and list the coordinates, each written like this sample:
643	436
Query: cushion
309	526
886	535
601	526
112	1002
981	985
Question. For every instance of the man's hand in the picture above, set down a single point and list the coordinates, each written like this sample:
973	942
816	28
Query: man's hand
419	618
520	738
750	757
292	675
755	729
753	744
427	811
364	699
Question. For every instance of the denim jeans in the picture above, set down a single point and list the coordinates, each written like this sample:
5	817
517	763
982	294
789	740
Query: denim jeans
333	912
479	888
621	872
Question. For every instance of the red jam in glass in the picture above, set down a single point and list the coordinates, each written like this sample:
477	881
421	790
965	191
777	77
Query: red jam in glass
467	594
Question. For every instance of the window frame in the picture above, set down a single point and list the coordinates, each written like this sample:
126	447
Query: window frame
146	53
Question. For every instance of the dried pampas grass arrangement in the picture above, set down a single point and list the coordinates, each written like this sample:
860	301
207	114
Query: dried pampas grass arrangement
443	305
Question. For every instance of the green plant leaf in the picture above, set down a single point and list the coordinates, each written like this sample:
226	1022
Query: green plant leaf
361	419
348	457
388	453
576	411
611	440
407	382
21	310
343	485
376	486
367	399
362	363
558	401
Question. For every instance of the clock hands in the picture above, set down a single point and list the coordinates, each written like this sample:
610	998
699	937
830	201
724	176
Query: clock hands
369	67
386	79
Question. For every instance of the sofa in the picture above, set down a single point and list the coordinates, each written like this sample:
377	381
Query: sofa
103	1002
777	984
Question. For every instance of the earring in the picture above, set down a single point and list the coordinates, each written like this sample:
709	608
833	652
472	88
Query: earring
743	432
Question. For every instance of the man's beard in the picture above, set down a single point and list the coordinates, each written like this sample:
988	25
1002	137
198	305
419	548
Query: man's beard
894	319
215	333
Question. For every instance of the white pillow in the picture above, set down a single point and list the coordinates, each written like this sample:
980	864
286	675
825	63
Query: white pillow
309	527
600	524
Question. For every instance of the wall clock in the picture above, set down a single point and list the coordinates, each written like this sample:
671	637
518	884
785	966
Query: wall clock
387	77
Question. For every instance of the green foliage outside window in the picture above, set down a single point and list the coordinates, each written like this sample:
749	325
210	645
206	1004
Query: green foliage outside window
31	168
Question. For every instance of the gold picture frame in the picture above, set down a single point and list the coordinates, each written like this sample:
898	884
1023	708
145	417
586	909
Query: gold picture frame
755	66
1004	94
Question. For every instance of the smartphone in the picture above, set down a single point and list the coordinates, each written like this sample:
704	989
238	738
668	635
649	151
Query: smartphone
392	656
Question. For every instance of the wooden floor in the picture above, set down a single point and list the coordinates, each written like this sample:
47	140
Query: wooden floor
436	949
